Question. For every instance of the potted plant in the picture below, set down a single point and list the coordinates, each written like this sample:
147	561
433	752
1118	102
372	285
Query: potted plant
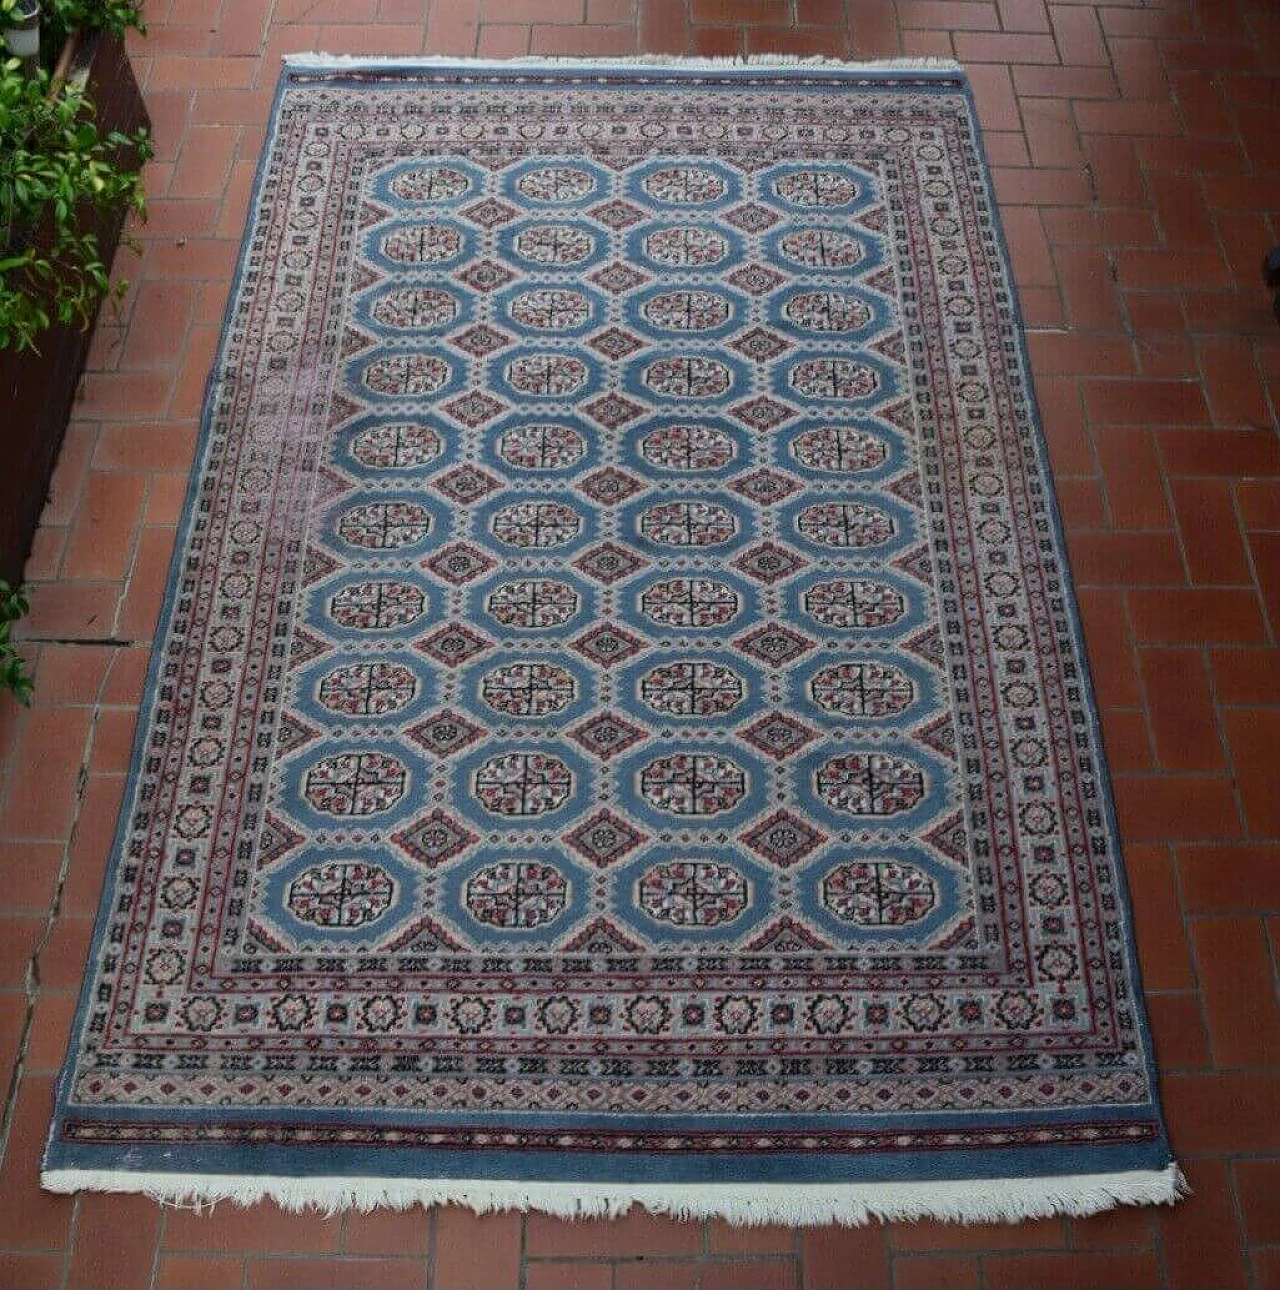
73	140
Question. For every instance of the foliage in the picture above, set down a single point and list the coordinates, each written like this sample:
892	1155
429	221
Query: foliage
56	169
13	674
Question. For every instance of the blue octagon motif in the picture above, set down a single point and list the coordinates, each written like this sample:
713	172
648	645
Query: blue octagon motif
335	909
521	525
373	606
541	445
534	604
691	687
493	899
835	378
353	783
682	609
816	247
686	312
424	307
400	374
497	690
687	447
430	184
690	377
391	447
546	375
685	246
869	790
947	886
873	604
702	908
364	687
384	525
431	242
552	244
692	787
688	524
555	183
683	184
817	187
824	325
832	525
853	697
559	308
509	785
856	448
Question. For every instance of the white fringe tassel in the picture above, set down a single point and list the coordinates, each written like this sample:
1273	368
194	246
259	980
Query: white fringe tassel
979	1200
334	62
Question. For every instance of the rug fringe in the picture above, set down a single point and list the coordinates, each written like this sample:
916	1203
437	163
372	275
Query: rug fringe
979	1200
318	60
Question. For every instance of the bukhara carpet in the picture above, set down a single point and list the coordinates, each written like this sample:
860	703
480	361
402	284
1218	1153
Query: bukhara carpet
619	730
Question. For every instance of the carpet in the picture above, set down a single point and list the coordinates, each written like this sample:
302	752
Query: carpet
619	730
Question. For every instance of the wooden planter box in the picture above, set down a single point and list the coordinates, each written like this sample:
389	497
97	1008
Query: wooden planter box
37	390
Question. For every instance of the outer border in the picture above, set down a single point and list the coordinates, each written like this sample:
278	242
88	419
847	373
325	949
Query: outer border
1142	1175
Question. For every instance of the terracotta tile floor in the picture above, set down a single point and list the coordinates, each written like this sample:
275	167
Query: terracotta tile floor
1135	149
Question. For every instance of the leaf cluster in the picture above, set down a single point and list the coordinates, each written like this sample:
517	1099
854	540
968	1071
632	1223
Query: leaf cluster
57	171
13	674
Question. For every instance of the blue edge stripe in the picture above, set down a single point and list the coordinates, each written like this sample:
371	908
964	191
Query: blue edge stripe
413	1163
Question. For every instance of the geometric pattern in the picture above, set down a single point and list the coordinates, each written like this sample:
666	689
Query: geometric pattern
621	662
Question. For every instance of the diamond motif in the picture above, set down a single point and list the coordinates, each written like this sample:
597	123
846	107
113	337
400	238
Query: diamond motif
938	734
607	734
610	486
317	564
454	643
435	838
617	214
778	735
774	644
613	342
466	484
480	340
783	839
760	344
474	409
276	839
612	410
617	278
756	279
751	217
609	563
293	733
763	413
489	213
769	563
459	563
604	838
486	275
927	644
765	486
445	732
608	644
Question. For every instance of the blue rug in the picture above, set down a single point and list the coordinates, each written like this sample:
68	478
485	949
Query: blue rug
619	730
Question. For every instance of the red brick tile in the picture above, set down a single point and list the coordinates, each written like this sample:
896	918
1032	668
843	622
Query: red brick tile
607	42
993	92
1150	403
1220	452
984	47
1252	736
1127	118
1171	270
1212	1114
1235	973
1125	1227
102	539
845	1258
1180	209
725	1238
50	1029
1127	740
387	1231
555	1275
1078	36
40	791
1077	354
114	1243
1200	615
1202	1246
1265	550
1081	500
962	15
1088	288
1023	15
1258	1186
1211	535
1117	178
141	606
1109	558
1216	878
1180	706
191	1272
1176	807
70	674
935	1272
338	1274
1138	68
1162	946
1047	187
72	610
206	159
637	1233
480	1253
1109	647
1132	471
262	1229
1118	1270
1177	1029
31	1271
1033	1234
639	1275
760	1276
31	873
